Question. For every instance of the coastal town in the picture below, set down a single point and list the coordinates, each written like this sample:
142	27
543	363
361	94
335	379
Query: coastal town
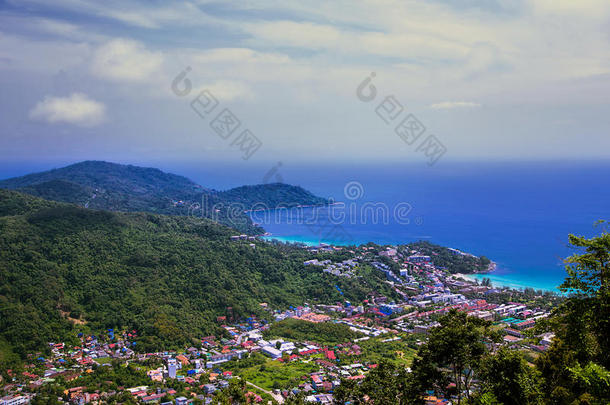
305	351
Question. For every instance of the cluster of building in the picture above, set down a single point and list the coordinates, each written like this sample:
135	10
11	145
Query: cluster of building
342	269
425	291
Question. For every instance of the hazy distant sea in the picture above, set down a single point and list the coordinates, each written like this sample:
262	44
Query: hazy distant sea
517	214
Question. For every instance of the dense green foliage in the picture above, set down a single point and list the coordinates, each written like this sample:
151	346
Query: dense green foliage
386	384
114	187
298	330
273	195
463	353
109	186
19	204
169	277
576	368
454	263
457	354
509	379
458	345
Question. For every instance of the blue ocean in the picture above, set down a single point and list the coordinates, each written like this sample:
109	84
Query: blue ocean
517	214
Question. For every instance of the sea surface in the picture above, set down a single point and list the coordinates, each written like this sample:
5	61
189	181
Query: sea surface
517	214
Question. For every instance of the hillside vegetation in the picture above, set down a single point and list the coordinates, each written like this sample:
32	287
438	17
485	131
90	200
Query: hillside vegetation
299	330
454	263
127	188
273	195
65	268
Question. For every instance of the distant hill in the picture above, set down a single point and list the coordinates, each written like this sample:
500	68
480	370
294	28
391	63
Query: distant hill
273	195
65	269
115	187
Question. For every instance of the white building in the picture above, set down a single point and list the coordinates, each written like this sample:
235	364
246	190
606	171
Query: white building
14	400
171	368
271	352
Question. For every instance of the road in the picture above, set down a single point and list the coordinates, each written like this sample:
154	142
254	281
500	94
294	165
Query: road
277	397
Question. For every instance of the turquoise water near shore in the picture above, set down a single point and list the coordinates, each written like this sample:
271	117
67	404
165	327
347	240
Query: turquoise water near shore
499	277
517	214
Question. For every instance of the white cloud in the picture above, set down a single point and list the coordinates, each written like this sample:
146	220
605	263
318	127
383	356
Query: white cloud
448	105
397	44
77	109
305	59
136	14
125	60
45	57
228	90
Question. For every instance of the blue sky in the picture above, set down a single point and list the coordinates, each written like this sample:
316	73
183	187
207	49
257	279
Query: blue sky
491	79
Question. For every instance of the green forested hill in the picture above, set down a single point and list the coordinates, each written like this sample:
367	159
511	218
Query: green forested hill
273	195
169	277
115	187
12	203
454	263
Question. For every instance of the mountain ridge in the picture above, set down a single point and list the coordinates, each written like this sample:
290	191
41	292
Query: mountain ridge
169	277
128	188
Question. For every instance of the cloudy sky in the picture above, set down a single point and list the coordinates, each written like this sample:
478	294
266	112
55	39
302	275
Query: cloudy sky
490	79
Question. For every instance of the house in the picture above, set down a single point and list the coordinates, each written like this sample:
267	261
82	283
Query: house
182	359
271	352
327	386
317	381
252	397
171	368
320	399
313	262
524	324
14	400
153	398
181	401
419	259
389	252
547	339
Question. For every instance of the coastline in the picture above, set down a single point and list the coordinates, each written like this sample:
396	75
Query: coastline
497	280
500	281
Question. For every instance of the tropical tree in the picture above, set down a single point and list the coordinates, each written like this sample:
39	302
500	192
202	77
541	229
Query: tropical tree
575	368
453	354
508	377
385	384
586	313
